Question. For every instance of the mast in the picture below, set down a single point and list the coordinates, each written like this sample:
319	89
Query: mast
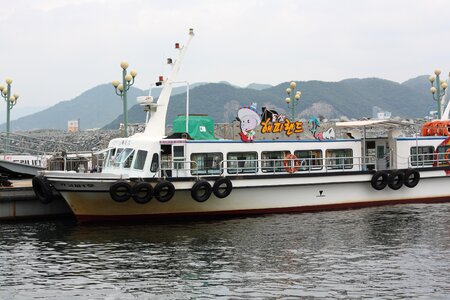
157	124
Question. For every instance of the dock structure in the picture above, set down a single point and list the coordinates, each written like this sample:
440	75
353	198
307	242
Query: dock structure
18	201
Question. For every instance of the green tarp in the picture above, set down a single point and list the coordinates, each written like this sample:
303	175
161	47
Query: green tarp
201	127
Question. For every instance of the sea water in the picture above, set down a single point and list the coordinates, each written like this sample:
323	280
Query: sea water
389	252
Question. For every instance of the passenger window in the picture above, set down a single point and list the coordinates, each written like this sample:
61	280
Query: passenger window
206	163
339	158
242	162
443	155
309	159
139	163
422	156
273	161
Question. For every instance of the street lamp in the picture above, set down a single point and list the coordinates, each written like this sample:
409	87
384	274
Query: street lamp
293	98
436	85
11	100
122	89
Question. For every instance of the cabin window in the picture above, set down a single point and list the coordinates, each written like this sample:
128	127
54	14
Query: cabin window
242	162
422	156
128	160
206	163
339	158
443	155
141	156
124	158
155	163
273	161
111	157
309	159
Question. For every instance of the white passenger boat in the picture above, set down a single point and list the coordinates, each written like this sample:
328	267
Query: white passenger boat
21	165
151	176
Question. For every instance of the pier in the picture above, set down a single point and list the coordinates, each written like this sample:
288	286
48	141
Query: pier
18	201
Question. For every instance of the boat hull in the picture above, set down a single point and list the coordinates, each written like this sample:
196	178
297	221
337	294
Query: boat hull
18	169
91	201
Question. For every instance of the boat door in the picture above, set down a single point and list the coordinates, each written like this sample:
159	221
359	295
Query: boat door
166	159
179	160
382	154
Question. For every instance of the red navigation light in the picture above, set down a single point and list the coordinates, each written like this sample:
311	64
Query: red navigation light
161	78
177	45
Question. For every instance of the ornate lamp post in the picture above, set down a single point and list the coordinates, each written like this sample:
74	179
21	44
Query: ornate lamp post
292	99
122	89
11	100
438	88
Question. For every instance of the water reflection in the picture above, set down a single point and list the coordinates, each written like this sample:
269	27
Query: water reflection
396	252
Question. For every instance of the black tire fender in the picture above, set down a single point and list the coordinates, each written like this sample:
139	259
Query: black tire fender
412	178
201	191
379	180
164	191
42	189
142	192
217	189
396	179
120	191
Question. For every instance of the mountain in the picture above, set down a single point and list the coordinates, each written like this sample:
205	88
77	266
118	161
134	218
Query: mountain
94	108
420	84
99	107
86	108
259	86
353	98
214	99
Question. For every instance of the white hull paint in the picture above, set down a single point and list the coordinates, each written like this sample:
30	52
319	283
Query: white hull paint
92	200
17	168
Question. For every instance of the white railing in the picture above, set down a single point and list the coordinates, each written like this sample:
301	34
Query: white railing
428	160
171	168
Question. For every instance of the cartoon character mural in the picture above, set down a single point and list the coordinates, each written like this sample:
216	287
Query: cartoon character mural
268	114
314	125
442	155
249	119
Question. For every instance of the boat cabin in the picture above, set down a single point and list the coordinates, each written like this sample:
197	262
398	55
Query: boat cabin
141	156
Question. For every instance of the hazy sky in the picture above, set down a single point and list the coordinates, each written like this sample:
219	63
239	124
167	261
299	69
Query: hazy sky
56	49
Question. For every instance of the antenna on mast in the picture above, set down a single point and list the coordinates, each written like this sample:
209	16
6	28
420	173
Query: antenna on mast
156	125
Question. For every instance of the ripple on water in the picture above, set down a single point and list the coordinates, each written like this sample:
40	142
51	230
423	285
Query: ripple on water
385	252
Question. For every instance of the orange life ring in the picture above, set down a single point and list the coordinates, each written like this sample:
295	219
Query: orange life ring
287	163
445	128
434	128
425	129
440	128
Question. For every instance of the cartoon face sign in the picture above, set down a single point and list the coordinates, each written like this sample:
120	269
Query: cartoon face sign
248	122
249	119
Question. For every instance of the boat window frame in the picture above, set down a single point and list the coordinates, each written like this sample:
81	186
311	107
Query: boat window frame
305	162
154	165
138	159
345	162
273	165
419	158
215	169
440	155
124	157
242	169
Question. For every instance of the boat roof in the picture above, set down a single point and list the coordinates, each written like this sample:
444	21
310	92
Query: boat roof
372	123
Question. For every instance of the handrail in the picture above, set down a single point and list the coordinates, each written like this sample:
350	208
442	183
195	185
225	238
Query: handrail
427	159
306	165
